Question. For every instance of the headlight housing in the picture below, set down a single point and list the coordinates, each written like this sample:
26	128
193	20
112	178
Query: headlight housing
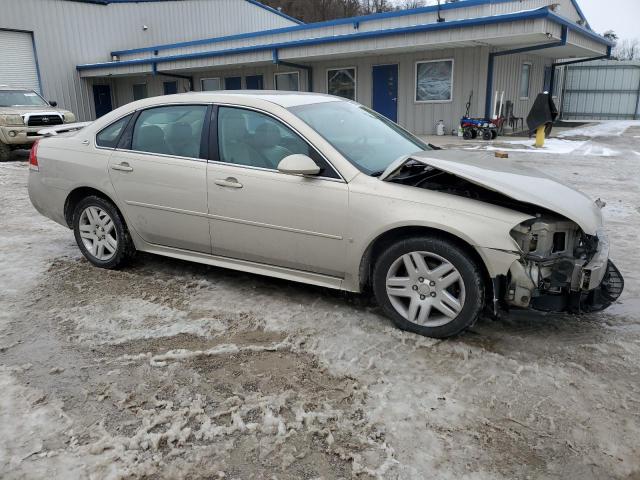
69	117
11	120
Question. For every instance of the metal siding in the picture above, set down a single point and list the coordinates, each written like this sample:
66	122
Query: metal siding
70	33
507	73
601	90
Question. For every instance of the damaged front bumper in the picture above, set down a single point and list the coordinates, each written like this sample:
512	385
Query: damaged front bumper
562	280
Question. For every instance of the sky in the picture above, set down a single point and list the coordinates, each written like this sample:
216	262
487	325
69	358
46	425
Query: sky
622	16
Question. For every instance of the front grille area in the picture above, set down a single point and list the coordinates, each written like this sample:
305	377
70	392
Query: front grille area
44	120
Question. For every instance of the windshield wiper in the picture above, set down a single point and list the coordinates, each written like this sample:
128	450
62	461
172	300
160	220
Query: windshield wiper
378	173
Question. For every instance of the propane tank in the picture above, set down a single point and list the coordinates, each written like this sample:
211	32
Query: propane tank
440	128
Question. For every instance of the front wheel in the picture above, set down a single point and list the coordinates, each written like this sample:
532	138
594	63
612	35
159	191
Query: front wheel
5	152
428	285
101	233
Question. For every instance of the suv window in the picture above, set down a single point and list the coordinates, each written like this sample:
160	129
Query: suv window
108	136
173	130
246	137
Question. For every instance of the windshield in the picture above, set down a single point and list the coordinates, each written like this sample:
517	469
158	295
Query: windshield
368	140
21	98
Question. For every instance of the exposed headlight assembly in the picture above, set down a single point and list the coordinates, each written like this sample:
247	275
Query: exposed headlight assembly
69	117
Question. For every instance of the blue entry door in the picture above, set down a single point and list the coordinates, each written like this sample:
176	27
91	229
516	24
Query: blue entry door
233	83
254	82
385	91
102	99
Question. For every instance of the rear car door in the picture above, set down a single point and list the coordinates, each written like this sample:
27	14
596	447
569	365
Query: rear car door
159	173
262	215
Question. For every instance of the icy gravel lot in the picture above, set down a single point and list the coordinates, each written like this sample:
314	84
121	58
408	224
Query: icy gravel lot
175	370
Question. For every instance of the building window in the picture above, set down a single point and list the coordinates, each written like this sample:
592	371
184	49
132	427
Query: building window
170	88
342	82
525	76
254	82
288	81
434	81
139	91
210	84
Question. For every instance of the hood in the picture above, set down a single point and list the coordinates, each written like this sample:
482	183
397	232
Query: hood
516	181
19	109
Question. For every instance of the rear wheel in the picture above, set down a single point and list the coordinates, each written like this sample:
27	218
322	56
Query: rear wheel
429	286
101	233
486	135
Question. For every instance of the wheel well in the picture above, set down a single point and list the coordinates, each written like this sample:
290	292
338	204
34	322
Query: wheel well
392	236
78	194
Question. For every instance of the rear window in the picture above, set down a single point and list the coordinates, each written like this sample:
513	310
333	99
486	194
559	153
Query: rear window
108	137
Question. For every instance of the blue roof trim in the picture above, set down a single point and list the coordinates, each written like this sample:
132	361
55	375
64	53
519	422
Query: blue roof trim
276	11
310	26
543	12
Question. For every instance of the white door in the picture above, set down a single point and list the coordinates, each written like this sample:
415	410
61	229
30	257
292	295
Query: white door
160	177
18	61
262	215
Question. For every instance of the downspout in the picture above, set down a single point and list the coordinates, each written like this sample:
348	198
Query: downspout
492	55
154	68
306	68
571	62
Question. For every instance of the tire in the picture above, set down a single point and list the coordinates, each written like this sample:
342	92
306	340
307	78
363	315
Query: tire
486	135
494	134
101	233
467	134
5	152
450	276
474	134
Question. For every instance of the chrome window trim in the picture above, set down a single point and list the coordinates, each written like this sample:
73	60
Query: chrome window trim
305	139
163	155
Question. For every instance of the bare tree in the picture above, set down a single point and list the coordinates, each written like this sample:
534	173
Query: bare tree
627	49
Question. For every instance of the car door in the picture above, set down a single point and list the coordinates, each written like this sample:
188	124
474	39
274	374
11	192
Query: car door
262	215
159	174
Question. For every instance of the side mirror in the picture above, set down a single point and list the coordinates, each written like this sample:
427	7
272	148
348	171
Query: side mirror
53	103
298	164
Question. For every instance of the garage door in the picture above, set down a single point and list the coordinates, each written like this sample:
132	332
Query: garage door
17	60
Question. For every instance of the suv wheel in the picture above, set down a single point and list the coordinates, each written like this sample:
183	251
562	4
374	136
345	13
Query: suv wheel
101	233
429	286
5	152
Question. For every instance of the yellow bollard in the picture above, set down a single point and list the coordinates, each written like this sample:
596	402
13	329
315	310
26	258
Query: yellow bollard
540	137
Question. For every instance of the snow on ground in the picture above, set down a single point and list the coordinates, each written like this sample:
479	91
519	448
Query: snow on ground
169	369
575	140
611	128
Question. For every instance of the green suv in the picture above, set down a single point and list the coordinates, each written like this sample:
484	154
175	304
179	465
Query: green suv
22	114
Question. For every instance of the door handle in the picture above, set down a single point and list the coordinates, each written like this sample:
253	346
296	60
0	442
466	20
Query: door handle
85	142
123	167
229	182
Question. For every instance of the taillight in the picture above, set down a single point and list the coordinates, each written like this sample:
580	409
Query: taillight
33	158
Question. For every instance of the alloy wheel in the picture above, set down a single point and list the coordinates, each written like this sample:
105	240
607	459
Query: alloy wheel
98	233
425	288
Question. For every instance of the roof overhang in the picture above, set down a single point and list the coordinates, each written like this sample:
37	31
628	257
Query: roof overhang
528	28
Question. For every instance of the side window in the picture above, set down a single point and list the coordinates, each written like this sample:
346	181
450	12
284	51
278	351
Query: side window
108	137
246	137
172	130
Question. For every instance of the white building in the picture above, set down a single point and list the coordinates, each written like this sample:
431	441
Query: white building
415	66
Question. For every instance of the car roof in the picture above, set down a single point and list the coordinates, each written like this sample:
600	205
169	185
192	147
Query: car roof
245	97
